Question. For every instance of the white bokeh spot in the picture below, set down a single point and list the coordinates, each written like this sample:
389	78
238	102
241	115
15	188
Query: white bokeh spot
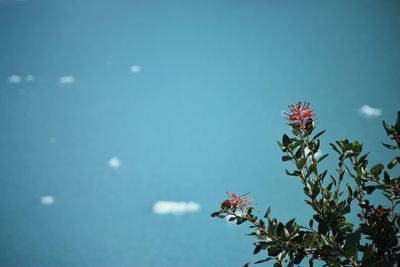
67	79
14	79
47	200
29	78
114	163
175	208
370	112
317	154
136	68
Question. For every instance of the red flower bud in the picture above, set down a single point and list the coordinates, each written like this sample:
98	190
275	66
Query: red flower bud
300	115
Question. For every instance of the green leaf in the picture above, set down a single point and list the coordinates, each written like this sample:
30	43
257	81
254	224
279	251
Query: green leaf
311	169
285	140
323	157
377	169
389	146
363	158
267	213
289	224
295	173
315	190
274	251
301	163
318	135
264	260
350	194
369	251
240	220
347	209
322	176
323	228
297	143
277	264
329	187
385	126
369	189
334	148
286	158
286	234
257	249
247	264
299	152
215	214
298	258
386	178
280	228
393	162
351	243
311	223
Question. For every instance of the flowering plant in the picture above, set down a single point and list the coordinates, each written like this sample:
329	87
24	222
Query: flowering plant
336	241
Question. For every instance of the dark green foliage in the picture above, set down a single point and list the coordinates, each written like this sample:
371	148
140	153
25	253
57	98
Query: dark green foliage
330	237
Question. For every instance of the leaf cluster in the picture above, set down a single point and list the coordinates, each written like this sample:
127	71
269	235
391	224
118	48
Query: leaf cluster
330	237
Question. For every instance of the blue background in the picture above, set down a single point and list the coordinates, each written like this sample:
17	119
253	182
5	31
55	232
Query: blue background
201	118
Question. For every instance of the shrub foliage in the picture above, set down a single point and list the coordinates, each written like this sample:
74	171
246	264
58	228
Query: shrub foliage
329	237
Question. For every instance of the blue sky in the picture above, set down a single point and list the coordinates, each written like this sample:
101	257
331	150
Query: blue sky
108	107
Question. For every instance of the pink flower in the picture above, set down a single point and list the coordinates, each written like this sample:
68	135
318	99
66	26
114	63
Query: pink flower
300	115
234	202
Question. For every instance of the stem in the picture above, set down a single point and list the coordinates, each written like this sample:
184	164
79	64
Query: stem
315	162
303	177
257	224
341	174
354	262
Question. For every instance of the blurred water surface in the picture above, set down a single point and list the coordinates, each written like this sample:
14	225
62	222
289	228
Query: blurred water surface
107	107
